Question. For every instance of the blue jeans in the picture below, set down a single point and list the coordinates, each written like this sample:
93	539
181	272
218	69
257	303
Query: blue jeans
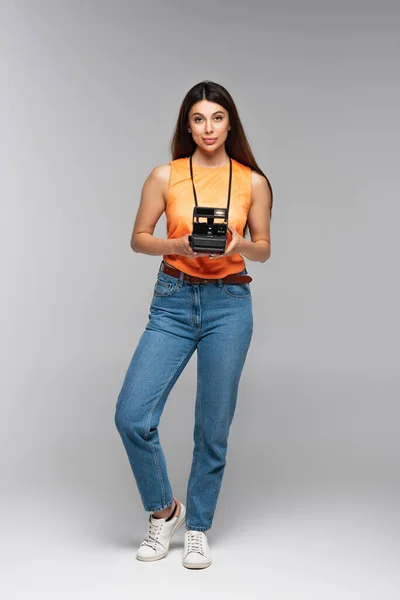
215	319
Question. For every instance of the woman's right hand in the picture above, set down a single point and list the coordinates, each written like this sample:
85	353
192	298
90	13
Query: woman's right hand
183	248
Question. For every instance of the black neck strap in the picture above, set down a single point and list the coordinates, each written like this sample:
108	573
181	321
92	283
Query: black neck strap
229	188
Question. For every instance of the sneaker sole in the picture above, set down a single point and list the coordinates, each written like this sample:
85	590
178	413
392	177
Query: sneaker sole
196	565
179	522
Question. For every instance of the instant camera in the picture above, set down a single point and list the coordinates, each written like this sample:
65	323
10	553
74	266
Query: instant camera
207	235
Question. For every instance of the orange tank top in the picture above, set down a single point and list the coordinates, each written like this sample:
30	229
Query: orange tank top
211	185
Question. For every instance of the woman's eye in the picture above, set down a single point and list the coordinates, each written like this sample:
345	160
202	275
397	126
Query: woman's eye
197	119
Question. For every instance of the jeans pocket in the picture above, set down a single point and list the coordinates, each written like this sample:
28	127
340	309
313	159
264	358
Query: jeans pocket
165	285
237	290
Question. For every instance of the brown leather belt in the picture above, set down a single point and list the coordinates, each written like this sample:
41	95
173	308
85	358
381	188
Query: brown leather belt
233	278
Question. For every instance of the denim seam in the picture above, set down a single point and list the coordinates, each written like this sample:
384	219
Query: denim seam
199	528
191	308
199	460
160	506
151	414
157	463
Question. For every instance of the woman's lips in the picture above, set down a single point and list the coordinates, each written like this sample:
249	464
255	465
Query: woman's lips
210	141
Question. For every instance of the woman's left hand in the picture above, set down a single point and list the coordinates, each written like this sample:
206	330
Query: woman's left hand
233	246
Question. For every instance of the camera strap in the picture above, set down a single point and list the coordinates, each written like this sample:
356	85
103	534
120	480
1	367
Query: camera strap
229	187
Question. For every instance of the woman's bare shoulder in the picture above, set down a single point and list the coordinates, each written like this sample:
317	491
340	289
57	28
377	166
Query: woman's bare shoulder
161	173
257	179
159	176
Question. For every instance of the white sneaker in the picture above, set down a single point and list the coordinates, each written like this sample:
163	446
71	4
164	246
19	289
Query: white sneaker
156	543
197	552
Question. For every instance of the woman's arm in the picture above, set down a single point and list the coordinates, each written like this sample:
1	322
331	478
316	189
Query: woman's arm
258	218
151	207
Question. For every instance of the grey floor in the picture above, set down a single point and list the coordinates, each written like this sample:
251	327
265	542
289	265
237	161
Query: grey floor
321	543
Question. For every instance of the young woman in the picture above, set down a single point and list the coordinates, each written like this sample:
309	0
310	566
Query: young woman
201	301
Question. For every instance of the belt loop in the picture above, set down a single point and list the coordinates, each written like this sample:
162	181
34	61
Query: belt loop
180	282
220	284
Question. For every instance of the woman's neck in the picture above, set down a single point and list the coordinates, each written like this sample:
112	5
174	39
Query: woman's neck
204	159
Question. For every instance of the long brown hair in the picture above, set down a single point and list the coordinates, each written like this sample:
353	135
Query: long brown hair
236	144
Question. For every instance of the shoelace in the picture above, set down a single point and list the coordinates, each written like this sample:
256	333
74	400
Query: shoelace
195	542
151	538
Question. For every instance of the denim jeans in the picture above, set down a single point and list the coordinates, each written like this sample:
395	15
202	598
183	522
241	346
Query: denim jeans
215	319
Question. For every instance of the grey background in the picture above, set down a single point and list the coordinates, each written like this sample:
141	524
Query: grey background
90	95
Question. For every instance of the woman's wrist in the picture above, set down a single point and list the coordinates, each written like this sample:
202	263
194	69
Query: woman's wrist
256	251
147	243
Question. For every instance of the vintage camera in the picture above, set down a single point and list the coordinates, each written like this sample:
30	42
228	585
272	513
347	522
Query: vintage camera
208	236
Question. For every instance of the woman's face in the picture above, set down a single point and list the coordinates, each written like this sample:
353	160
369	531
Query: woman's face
209	125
